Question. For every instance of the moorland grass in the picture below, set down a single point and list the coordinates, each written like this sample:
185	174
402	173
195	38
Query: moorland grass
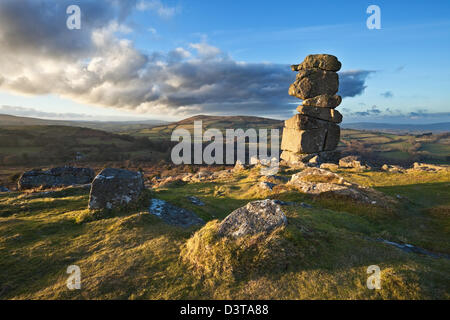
131	254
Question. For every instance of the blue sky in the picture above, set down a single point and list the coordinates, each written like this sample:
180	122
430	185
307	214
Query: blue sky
407	62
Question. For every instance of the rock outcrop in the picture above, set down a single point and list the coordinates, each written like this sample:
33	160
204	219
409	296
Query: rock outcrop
55	177
256	217
314	131
318	181
392	168
428	167
353	162
113	188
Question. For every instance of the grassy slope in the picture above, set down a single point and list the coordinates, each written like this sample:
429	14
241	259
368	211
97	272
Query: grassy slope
45	145
133	255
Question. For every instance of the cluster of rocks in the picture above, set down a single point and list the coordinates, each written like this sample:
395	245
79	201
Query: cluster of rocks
428	167
200	176
55	177
348	162
314	131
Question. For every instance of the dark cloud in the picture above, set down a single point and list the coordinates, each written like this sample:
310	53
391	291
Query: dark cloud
352	83
387	94
374	111
389	115
96	65
39	27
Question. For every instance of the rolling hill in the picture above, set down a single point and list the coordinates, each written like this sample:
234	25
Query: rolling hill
112	126
217	122
44	145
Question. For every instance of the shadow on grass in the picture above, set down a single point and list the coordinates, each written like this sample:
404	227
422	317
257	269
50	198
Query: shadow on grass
422	195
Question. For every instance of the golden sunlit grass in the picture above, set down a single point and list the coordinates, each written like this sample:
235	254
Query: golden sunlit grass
323	253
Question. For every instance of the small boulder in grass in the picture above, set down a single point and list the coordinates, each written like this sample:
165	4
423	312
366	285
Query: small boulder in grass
256	217
113	188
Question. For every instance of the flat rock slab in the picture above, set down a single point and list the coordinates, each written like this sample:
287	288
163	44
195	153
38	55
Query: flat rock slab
323	101
173	215
256	217
303	122
311	141
326	114
326	62
55	177
113	188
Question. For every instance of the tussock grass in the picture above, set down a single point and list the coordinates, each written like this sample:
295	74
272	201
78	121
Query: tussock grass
221	258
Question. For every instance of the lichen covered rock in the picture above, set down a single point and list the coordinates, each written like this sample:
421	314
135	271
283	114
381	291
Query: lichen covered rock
316	181
113	188
256	217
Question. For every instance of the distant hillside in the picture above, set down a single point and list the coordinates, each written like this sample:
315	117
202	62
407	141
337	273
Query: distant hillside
217	122
112	126
387	127
7	120
42	145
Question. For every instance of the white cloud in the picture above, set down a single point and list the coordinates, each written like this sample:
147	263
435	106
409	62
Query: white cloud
158	7
206	51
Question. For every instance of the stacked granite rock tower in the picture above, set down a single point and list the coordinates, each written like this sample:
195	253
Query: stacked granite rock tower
314	131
